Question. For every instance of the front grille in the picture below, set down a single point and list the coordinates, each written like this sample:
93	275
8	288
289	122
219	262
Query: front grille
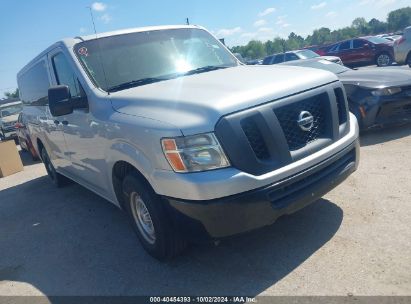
9	129
407	109
394	109
403	110
341	107
288	117
8	124
274	134
255	139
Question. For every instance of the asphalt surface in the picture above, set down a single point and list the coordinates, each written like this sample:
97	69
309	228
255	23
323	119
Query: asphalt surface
357	240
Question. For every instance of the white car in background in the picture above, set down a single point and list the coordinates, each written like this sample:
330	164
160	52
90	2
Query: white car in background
402	48
297	55
9	113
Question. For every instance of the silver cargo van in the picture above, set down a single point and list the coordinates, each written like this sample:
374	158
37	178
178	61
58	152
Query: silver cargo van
166	123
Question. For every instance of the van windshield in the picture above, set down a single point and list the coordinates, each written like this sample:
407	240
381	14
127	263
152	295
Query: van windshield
306	54
377	40
123	61
9	111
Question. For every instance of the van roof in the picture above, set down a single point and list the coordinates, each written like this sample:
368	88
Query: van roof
133	30
70	42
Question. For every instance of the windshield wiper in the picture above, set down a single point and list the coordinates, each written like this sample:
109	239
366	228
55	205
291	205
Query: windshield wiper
148	80
205	69
134	83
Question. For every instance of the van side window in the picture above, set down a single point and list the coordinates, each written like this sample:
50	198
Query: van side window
65	75
34	85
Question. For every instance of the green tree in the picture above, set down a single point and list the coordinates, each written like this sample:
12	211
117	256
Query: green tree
254	49
377	26
14	94
361	25
294	41
321	36
399	19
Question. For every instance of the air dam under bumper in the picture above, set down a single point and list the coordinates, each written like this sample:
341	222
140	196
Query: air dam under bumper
223	217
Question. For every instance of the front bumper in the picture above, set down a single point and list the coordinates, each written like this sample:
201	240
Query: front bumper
390	110
223	217
209	185
9	133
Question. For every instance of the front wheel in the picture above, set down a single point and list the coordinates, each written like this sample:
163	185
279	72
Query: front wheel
57	179
383	59
150	219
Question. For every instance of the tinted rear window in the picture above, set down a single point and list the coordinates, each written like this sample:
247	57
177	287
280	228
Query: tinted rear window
279	58
345	45
267	60
291	56
358	43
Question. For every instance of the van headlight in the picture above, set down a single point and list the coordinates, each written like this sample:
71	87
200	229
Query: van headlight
194	153
386	91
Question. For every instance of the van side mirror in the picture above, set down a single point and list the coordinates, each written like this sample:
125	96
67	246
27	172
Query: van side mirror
60	100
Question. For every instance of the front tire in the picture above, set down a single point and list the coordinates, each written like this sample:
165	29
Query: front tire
383	59
150	220
57	179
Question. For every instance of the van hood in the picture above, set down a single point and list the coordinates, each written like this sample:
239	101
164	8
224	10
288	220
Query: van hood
195	103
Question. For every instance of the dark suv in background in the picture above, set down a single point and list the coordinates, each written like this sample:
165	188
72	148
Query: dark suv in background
361	51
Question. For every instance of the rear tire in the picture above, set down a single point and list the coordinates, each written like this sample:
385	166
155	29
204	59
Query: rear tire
150	220
383	59
57	179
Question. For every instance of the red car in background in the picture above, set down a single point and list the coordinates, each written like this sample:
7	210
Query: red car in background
361	51
24	137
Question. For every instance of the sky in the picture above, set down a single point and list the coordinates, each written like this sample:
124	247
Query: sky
28	27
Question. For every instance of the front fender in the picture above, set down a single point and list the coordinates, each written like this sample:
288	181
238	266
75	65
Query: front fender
127	152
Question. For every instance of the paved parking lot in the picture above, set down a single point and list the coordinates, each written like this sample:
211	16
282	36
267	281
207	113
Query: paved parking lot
357	240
